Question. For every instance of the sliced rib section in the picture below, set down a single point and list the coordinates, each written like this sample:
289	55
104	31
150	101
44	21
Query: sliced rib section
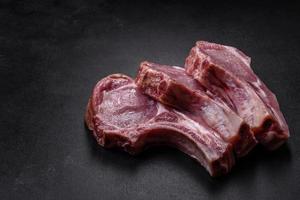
172	86
225	71
121	116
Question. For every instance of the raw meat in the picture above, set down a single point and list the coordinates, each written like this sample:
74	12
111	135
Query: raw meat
119	115
172	86
226	72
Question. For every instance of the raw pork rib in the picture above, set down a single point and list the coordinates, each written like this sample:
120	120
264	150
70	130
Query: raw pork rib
121	116
226	72
172	86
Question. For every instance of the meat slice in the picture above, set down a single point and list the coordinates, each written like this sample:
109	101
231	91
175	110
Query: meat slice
226	72
119	115
172	86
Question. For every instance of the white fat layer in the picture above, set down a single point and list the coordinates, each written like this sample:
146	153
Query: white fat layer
180	68
160	108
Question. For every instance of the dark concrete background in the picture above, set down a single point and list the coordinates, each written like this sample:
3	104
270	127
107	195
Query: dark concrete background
53	52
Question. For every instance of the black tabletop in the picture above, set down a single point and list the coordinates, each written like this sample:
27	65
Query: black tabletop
53	52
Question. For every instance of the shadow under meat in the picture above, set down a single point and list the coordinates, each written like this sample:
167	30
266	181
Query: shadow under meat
245	168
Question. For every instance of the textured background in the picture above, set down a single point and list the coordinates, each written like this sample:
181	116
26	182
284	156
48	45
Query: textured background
51	55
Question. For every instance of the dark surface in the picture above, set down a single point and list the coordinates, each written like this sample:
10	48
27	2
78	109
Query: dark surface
52	54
